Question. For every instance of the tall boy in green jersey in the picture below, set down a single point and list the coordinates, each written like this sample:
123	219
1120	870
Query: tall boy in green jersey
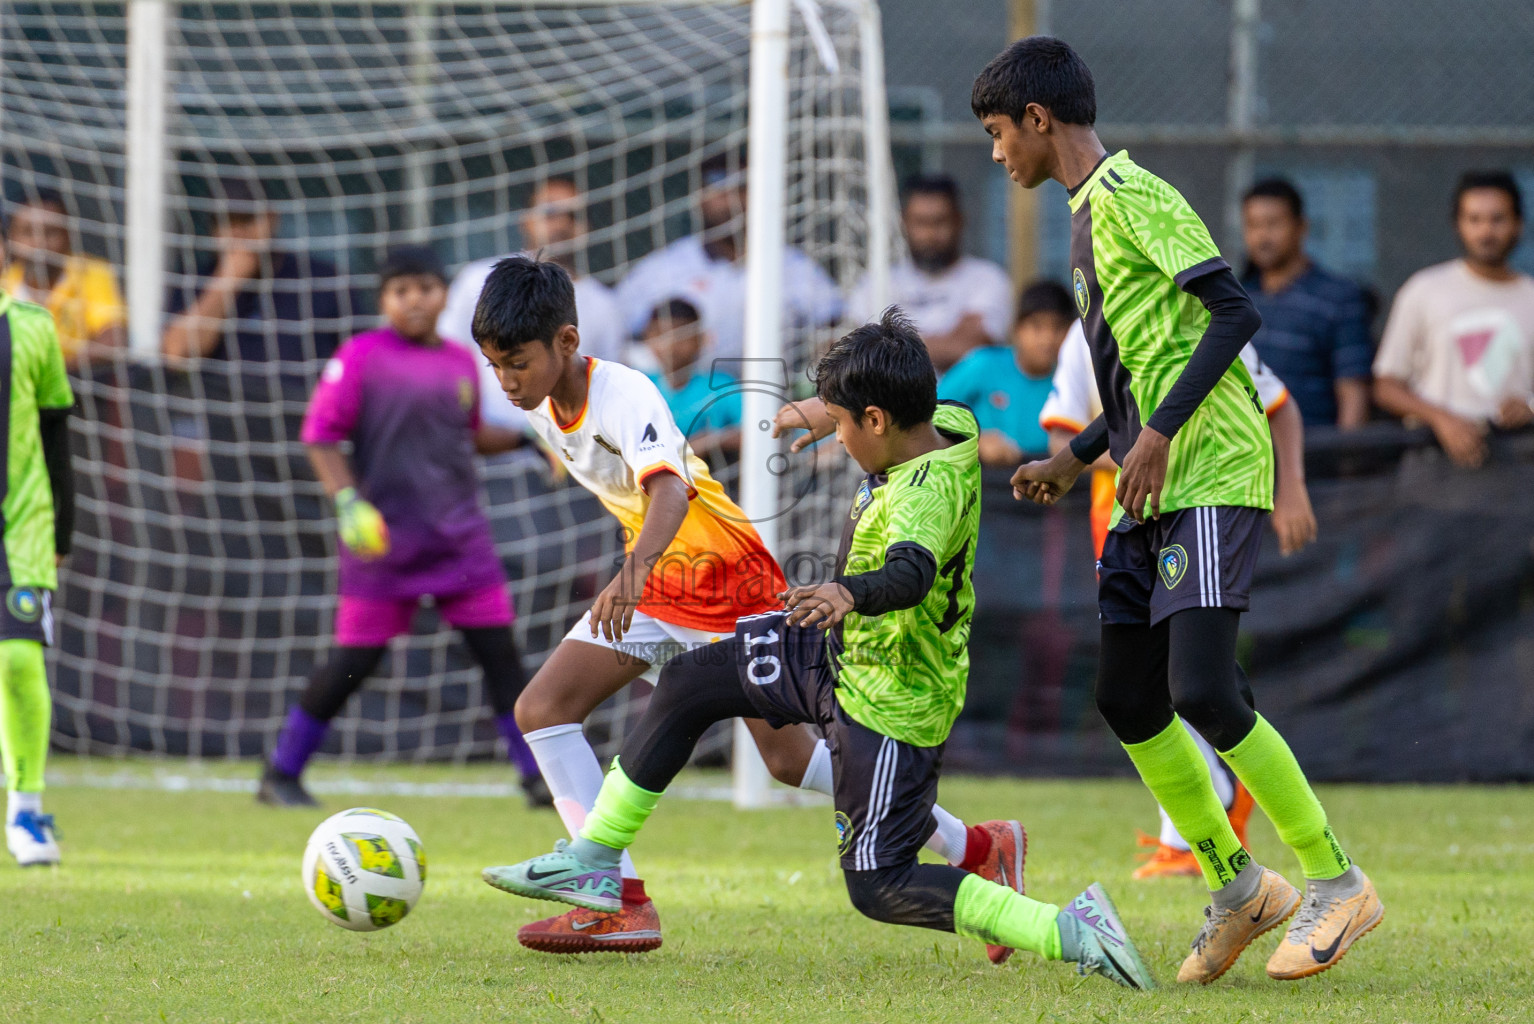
38	516
877	658
1166	321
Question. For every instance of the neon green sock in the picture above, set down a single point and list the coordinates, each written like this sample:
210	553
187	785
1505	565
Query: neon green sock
26	711
1178	777
1266	766
995	914
621	810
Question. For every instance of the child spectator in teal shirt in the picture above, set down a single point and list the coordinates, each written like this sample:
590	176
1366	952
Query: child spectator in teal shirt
1006	385
703	399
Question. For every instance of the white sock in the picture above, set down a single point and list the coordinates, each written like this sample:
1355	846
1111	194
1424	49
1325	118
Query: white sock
1218	774
948	842
570	768
1169	834
817	777
16	802
1222	789
951	838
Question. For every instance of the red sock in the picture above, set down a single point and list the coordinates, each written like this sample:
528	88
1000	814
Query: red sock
633	891
977	847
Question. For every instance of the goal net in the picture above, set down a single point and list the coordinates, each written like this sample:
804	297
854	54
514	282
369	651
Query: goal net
201	589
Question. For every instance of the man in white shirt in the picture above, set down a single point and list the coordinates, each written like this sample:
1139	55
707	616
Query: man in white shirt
1458	350
958	302
711	266
552	225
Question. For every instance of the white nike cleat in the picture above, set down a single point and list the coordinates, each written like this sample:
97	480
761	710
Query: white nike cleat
29	837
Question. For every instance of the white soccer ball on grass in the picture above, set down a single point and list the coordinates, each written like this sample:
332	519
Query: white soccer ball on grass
364	869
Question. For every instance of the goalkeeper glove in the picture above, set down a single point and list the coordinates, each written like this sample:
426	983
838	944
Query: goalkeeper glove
363	529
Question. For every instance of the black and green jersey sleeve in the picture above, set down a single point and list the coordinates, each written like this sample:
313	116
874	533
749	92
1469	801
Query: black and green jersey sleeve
33	364
904	673
1135	244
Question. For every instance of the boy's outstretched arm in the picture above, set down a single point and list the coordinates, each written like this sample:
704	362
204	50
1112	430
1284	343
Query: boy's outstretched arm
1232	322
810	415
908	572
613	610
1293	519
54	430
1046	482
362	526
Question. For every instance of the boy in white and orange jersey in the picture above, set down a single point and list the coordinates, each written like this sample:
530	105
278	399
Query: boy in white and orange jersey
694	564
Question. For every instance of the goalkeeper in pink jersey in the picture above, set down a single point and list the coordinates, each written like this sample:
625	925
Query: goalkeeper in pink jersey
407	502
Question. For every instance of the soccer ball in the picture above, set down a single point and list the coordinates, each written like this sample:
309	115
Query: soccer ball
364	869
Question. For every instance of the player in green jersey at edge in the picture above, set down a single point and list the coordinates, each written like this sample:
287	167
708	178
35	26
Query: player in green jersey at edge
1166	321
38	515
877	658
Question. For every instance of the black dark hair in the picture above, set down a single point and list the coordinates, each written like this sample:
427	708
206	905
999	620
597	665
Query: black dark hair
1278	188
45	197
409	260
883	364
523	300
1045	297
676	311
726	166
1038	69
1499	180
930	185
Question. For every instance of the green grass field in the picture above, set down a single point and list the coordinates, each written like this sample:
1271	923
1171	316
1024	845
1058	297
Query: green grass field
186	906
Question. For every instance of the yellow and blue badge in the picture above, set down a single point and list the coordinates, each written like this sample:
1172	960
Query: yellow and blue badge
24	604
843	832
1172	564
862	500
1083	297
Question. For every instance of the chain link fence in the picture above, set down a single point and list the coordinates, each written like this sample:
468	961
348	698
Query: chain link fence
1373	109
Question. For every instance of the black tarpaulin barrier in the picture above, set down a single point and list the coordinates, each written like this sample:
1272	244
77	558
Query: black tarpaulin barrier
1399	647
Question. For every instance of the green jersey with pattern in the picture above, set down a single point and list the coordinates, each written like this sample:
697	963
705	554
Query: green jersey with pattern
1135	242
903	673
35	364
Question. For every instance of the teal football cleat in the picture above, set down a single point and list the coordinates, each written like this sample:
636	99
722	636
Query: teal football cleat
563	877
1092	935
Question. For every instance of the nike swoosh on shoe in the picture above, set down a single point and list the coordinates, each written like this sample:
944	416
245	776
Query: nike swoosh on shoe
1321	956
1257	917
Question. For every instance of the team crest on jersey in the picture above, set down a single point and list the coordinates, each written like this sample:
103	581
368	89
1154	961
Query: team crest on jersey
843	832
466	393
864	498
24	604
1172	564
1083	297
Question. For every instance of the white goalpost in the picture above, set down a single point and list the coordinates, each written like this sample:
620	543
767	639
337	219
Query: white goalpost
201	588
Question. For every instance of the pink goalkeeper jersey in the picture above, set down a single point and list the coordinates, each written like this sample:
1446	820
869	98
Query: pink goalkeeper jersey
410	412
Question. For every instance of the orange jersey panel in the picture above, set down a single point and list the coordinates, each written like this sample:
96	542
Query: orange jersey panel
716	570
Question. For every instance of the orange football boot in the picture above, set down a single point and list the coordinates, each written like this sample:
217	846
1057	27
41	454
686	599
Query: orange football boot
1168	862
633	929
1002	864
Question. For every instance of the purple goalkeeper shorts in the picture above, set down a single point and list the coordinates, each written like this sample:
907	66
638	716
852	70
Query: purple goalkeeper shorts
373	622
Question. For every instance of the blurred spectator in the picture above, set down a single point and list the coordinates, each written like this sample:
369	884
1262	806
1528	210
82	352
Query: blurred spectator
702	398
958	302
1315	325
80	291
251	300
712	267
1007	386
553	226
1458	350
